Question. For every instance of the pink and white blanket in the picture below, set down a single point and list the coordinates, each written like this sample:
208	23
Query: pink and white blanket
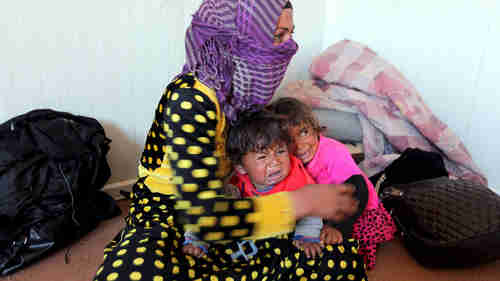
351	77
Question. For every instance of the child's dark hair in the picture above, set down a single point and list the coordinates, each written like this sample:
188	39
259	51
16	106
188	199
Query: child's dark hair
296	112
255	131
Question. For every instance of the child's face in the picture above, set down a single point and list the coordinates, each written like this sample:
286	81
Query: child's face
267	167
304	143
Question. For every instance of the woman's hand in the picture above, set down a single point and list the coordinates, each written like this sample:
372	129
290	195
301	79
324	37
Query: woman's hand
322	200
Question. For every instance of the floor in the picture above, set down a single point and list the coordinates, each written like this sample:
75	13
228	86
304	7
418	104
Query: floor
393	262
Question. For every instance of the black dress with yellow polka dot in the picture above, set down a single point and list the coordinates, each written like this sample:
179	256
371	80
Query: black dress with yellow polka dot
180	188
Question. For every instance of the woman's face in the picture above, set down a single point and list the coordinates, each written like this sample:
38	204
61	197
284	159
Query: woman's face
304	143
284	27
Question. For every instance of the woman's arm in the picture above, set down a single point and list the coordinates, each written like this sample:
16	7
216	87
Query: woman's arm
324	201
190	125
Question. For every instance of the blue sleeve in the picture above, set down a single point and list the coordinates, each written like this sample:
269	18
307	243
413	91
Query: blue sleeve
308	229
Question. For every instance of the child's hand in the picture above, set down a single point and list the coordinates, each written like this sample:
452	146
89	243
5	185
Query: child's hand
312	249
232	191
193	250
330	235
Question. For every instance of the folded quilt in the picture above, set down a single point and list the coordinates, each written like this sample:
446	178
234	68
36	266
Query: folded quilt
351	77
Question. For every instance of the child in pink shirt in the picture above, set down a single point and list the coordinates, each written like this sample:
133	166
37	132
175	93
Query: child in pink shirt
330	162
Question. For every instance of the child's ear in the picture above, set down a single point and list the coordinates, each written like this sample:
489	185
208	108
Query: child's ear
239	168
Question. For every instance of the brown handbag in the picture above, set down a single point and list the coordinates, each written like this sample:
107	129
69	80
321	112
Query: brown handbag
446	223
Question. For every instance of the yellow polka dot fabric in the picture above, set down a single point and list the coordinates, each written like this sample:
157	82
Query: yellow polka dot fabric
156	255
179	187
185	156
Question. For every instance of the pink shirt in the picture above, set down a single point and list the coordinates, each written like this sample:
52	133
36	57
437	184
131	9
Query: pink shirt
333	164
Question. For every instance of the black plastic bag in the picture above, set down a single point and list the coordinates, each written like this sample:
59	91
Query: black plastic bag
52	167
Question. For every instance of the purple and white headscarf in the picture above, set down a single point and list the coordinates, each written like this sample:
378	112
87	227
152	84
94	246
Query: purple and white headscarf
229	47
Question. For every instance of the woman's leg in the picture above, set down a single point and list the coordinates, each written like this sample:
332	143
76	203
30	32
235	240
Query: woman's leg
142	254
337	262
149	247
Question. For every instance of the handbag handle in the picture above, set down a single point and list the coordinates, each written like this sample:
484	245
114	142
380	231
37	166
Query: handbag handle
391	192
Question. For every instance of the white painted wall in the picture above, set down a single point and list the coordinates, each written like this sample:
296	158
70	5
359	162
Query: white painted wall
448	49
110	60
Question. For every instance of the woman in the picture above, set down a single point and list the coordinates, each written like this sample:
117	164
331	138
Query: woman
237	52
